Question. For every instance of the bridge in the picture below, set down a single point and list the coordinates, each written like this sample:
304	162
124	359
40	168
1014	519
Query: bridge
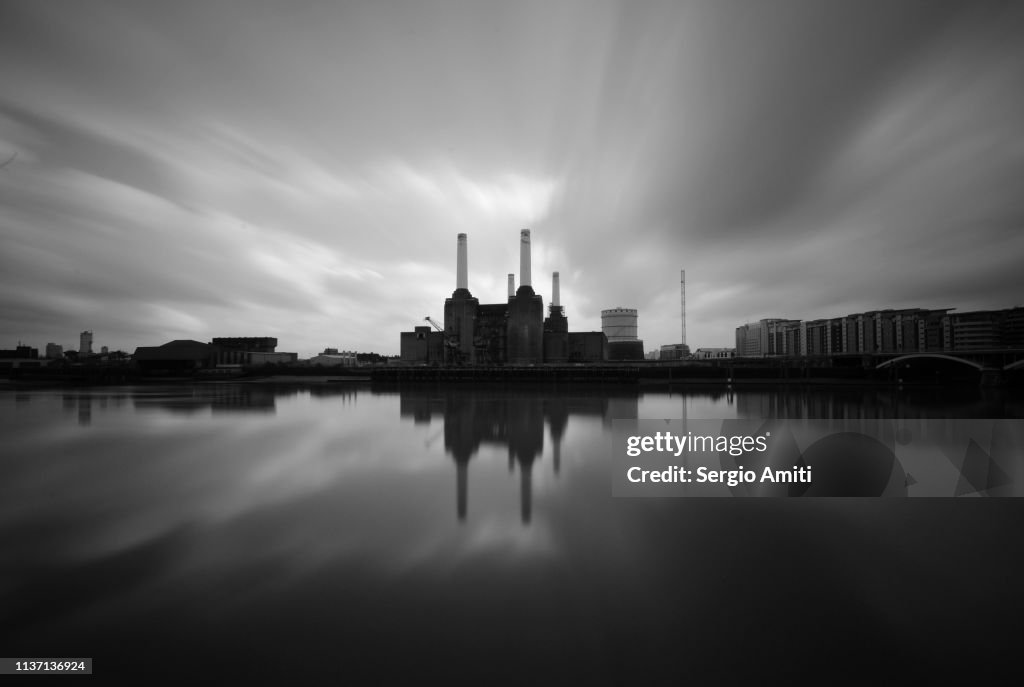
992	366
983	361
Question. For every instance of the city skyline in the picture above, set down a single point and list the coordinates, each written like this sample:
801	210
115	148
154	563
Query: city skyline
302	172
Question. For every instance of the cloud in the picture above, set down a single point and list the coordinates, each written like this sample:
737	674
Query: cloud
304	174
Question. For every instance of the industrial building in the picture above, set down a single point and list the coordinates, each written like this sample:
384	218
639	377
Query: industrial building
178	356
619	325
186	354
512	333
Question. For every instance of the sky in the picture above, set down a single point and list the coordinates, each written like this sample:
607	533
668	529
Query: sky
301	169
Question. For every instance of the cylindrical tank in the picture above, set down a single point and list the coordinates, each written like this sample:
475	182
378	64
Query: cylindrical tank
619	324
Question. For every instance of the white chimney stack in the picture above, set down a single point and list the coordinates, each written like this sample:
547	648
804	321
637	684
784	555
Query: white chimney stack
462	266
511	284
554	290
524	258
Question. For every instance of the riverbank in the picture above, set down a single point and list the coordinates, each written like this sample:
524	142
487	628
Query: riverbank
720	375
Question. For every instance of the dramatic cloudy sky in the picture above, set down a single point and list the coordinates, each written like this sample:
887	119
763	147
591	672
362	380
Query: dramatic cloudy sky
301	169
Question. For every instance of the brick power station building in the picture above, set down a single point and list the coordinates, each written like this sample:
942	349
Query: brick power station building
512	333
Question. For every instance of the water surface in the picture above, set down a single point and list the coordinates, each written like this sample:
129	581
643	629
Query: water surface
337	533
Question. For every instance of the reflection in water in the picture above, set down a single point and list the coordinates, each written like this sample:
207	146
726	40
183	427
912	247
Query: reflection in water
863	402
510	418
215	397
82	402
316	522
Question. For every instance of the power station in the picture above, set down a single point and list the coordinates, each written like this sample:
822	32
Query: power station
512	333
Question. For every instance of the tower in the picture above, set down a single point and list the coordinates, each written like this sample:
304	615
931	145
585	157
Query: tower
525	326
556	328
682	300
524	260
460	312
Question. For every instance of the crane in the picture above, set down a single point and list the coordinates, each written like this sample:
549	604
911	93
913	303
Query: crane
451	342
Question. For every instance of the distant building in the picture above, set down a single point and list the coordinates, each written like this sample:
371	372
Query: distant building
85	344
1013	328
625	350
785	337
21	352
241	351
515	332
258	358
178	356
588	347
619	324
335	359
54	351
104	350
984	329
753	339
908	330
714	353
235	350
674	352
22	356
422	345
971	331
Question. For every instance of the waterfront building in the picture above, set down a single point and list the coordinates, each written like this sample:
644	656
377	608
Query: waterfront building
714	353
679	351
515	332
907	330
759	339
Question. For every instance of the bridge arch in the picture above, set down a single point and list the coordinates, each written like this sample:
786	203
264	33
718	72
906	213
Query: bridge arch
1014	365
942	356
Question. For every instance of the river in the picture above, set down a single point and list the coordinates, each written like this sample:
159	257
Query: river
344	534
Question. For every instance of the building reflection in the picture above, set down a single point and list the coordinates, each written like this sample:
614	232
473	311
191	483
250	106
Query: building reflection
511	418
557	413
216	398
83	402
872	403
191	399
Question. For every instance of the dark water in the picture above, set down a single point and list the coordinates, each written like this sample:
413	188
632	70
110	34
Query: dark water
351	536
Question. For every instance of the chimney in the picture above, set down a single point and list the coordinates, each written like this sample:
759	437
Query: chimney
554	290
524	258
461	267
511	285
